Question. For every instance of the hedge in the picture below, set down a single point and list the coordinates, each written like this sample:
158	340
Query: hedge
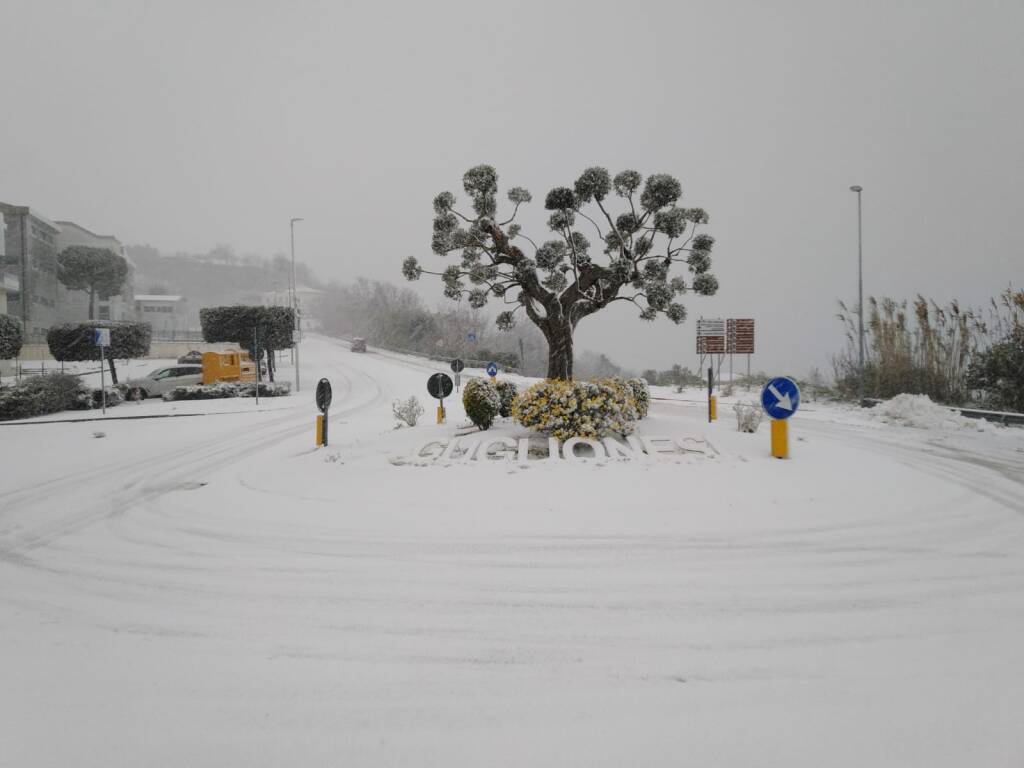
226	389
507	391
41	395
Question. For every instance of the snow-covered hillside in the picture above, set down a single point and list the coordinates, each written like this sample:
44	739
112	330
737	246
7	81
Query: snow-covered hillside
212	590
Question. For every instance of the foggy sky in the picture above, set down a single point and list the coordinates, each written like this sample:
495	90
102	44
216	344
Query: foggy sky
188	124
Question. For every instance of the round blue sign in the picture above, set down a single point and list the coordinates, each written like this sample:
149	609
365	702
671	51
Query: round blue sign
780	397
492	369
471	335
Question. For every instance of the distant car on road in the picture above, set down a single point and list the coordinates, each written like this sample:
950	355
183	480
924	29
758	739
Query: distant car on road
192	356
358	344
162	380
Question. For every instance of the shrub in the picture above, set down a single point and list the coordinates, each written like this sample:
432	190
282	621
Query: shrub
11	337
225	389
748	416
41	395
408	411
115	396
482	402
641	396
507	392
999	372
587	409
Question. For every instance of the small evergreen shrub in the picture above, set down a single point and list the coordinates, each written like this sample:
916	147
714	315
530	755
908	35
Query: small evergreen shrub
507	391
482	402
11	337
641	396
42	395
115	396
407	411
587	409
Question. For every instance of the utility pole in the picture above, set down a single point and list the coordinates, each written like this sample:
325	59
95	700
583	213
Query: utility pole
860	293
295	307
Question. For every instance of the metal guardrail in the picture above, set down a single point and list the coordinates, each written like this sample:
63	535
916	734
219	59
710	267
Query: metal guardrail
997	417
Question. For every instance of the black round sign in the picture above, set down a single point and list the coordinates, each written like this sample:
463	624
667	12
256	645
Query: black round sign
457	366
323	395
439	385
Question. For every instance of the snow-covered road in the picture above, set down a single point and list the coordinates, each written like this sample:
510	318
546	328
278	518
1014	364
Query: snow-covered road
212	591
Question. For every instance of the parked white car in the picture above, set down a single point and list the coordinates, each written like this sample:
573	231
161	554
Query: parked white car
164	380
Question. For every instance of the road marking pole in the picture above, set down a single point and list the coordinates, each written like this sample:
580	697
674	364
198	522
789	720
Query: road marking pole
780	438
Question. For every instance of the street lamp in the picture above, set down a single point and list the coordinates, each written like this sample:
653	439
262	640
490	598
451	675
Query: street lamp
860	292
295	309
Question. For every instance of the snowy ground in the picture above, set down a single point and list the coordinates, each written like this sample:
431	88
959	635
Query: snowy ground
213	591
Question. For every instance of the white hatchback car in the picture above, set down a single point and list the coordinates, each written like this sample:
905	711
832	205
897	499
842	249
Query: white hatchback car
164	380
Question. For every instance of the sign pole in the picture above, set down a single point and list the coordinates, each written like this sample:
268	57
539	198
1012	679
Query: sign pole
712	405
103	383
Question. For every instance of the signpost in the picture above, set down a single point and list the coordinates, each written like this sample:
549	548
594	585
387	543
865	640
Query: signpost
323	402
717	338
101	338
439	385
457	366
780	398
492	370
712	400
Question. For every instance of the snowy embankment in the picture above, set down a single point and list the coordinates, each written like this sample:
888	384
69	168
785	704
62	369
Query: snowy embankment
215	591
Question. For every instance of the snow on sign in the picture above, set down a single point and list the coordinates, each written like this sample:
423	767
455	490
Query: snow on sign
323	395
457	365
101	337
780	397
711	336
739	336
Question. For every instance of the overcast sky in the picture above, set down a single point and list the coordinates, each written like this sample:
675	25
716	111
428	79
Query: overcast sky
186	124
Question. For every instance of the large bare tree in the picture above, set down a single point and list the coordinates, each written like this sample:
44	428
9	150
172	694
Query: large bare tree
563	280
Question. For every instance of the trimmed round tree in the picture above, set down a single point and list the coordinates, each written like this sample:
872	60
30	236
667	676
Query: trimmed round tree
98	271
74	341
249	326
11	337
598	255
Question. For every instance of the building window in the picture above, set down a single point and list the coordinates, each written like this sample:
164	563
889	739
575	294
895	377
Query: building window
104	313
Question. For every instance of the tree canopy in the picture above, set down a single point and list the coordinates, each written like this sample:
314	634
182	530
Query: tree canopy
237	324
98	271
74	341
11	337
560	281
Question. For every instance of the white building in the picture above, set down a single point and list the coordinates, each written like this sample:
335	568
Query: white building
167	314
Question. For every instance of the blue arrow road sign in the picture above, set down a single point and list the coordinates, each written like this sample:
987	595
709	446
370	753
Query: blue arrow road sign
492	369
780	397
471	335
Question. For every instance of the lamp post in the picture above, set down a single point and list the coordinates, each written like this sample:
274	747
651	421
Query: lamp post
860	292
295	310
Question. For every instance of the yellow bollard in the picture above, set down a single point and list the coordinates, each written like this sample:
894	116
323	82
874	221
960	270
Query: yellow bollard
320	430
780	438
713	408
440	414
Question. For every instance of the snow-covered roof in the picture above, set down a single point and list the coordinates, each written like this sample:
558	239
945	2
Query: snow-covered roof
156	297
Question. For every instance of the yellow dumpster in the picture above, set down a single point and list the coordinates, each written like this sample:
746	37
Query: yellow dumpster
228	366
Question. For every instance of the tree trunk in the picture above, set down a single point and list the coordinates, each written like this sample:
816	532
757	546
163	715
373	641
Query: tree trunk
92	303
270	364
113	369
559	338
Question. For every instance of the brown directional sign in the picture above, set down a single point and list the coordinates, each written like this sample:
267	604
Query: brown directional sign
725	337
710	336
739	336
